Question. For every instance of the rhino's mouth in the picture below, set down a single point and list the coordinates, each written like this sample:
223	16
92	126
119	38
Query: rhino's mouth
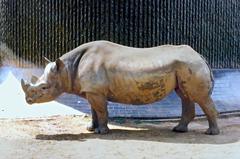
34	99
29	100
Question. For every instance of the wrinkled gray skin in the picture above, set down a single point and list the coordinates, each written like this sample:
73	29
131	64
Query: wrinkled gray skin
102	71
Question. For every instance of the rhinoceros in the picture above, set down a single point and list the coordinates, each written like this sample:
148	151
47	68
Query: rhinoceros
102	71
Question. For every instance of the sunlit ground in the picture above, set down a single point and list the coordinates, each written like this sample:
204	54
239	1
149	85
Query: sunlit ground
65	137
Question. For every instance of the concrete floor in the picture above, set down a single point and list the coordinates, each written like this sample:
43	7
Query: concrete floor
65	137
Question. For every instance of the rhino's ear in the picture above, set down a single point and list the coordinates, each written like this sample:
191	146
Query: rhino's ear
24	85
46	60
34	79
59	64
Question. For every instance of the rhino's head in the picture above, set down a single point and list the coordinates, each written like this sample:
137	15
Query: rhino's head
46	88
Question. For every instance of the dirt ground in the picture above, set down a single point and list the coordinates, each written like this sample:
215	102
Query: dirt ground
66	137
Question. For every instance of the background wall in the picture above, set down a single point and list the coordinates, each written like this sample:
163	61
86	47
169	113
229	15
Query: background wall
36	28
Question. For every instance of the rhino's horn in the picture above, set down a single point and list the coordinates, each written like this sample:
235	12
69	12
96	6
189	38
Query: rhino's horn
60	65
24	86
46	60
34	79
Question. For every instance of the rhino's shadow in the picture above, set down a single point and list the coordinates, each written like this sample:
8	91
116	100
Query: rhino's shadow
148	134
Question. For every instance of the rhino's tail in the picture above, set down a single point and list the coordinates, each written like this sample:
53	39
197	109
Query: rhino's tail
211	76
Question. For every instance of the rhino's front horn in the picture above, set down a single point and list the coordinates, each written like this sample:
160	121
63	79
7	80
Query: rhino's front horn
24	86
34	79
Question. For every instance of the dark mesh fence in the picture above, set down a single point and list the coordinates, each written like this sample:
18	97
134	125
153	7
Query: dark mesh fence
2	20
36	28
2	27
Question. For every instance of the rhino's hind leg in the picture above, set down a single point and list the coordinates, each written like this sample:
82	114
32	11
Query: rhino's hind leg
99	105
208	108
188	113
94	123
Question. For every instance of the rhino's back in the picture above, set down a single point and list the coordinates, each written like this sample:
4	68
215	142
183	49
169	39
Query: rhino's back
112	54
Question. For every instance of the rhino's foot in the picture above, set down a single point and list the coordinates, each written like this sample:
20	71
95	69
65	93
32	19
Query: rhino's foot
91	126
101	130
212	131
180	128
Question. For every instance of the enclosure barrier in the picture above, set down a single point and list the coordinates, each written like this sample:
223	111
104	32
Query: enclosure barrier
36	28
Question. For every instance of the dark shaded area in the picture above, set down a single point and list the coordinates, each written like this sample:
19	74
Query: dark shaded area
148	133
33	29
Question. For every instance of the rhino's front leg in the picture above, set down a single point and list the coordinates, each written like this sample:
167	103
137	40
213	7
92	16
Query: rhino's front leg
99	105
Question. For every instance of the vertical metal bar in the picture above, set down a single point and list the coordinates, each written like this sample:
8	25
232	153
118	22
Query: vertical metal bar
152	22
119	17
137	22
109	8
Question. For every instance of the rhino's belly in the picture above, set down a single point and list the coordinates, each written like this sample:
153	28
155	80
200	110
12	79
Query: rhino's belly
138	98
142	91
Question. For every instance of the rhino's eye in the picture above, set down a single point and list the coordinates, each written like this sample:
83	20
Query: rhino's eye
44	87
